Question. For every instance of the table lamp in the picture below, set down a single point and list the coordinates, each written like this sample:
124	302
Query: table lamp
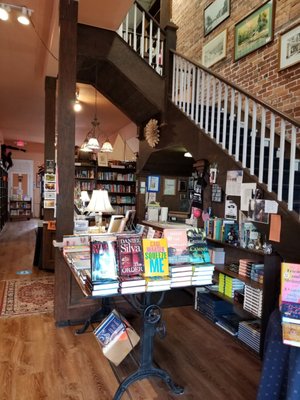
99	203
85	198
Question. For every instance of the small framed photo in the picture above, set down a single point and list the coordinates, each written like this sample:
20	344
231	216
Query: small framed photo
169	186
289	47
49	177
49	203
49	186
102	159
254	31
182	196
214	14
215	50
153	183
182	185
49	195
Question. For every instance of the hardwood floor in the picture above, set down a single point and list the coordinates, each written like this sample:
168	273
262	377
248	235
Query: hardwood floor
39	361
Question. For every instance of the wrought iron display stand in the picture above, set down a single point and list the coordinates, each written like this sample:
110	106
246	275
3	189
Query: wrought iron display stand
151	325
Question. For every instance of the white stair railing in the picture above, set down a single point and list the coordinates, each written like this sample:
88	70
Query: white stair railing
142	32
243	125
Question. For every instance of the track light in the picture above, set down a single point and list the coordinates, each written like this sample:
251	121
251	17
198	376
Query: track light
4	12
23	18
24	13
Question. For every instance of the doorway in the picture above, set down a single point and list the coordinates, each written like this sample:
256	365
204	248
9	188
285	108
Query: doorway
20	179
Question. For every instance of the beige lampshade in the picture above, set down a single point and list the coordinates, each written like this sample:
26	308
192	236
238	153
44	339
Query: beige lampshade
84	196
106	147
93	144
99	202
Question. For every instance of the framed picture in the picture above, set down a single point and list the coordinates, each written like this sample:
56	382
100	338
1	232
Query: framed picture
182	185
214	14
254	31
49	203
289	47
49	177
169	187
153	183
183	196
102	159
215	50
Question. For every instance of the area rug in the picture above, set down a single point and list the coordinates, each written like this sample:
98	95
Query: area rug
27	296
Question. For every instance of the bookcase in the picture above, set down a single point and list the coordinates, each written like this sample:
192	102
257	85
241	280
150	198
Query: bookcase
120	182
85	176
20	209
268	290
3	196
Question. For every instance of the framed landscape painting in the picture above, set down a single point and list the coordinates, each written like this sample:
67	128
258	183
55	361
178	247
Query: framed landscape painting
214	14
215	50
289	47
254	31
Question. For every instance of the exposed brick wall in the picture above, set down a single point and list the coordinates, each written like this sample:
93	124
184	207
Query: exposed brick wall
257	72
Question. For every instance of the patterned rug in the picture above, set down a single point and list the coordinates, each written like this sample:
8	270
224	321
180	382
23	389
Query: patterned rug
27	296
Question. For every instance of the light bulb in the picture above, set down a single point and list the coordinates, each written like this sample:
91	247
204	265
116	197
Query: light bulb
4	10
24	17
77	106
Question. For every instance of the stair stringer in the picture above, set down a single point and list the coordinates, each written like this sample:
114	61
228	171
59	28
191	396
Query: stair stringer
123	76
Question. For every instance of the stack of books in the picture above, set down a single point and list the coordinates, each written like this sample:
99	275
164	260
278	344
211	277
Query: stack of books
156	264
210	305
158	283
253	299
203	274
251	269
181	275
249	333
131	264
290	303
104	277
228	285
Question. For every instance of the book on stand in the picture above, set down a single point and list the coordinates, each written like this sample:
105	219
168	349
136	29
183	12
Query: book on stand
178	251
155	253
130	255
103	263
197	245
116	337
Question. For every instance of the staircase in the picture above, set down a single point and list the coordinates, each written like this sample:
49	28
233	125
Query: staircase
209	116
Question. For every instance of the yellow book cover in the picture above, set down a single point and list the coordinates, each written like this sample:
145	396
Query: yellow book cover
155	253
221	283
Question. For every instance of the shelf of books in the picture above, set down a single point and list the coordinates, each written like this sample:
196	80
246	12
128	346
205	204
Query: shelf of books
119	181
3	196
20	207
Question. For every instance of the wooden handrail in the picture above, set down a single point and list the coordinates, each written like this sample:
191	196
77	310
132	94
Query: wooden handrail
239	89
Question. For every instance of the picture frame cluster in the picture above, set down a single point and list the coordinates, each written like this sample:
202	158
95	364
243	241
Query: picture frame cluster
252	32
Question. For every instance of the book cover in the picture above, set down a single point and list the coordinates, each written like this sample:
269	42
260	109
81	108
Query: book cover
290	278
197	245
130	250
178	251
109	328
291	334
103	259
155	253
290	310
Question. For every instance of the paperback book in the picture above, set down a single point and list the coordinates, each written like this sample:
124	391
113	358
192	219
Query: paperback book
103	259
130	255
155	253
178	251
197	245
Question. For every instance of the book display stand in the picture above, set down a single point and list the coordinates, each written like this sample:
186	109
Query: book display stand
152	324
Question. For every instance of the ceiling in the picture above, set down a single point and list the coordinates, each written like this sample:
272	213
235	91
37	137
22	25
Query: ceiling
29	53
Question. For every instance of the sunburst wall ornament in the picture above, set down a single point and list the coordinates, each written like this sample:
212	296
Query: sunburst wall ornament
151	132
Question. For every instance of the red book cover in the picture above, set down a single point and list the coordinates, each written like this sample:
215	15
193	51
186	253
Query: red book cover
131	261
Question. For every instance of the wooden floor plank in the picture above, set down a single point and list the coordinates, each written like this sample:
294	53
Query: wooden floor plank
40	361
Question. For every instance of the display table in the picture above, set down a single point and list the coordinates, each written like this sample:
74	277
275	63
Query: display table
151	324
